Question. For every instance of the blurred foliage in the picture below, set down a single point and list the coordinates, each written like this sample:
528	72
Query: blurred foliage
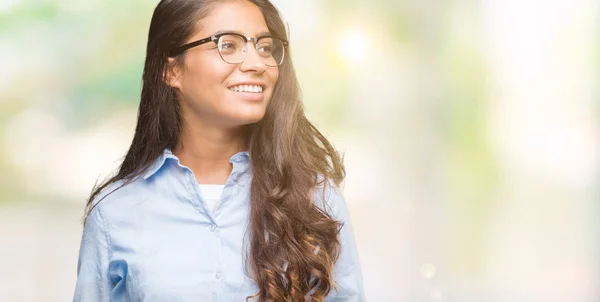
81	63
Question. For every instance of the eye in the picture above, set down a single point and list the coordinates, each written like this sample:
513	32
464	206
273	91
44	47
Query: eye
264	48
228	45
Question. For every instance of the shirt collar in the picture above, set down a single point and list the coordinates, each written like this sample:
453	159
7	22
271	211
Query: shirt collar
159	162
241	157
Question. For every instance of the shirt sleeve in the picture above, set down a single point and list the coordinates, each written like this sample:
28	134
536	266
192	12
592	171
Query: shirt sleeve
93	282
347	270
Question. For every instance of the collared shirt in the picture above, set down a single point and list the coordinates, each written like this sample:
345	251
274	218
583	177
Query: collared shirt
155	240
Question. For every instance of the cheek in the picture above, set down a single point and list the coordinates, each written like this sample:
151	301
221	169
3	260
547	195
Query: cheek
273	77
204	79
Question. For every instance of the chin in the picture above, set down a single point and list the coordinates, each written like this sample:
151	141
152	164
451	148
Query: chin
253	120
247	119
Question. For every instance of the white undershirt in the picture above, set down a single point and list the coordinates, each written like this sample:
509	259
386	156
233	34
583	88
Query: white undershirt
211	194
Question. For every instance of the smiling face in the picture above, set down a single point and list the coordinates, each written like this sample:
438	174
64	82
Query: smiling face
214	92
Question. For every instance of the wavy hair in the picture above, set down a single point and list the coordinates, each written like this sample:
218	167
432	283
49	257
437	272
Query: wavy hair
294	243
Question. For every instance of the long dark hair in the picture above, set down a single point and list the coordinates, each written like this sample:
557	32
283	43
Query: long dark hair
287	153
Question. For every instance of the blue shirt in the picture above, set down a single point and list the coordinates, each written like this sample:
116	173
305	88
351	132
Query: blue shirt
153	240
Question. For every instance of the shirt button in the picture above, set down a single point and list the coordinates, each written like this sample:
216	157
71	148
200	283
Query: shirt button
217	275
237	159
213	227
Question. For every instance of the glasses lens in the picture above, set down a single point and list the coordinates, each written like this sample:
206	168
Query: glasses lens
233	50
271	50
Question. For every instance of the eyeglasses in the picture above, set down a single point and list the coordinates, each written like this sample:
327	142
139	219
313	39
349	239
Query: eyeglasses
233	48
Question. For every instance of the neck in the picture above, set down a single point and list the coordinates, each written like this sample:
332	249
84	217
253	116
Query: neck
206	150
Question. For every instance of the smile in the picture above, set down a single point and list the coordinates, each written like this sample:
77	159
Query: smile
247	88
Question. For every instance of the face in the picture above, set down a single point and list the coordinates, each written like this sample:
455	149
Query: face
206	83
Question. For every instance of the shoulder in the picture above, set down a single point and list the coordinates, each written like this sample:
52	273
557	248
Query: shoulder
329	197
117	198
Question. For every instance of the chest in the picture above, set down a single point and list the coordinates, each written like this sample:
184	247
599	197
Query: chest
181	254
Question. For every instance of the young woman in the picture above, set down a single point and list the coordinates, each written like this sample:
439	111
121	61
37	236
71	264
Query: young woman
228	192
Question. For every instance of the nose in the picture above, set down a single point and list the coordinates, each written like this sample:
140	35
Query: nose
252	61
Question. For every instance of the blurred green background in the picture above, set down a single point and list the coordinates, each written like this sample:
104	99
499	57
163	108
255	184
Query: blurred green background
470	132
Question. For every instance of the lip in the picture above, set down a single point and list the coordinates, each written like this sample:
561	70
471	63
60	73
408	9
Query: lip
249	96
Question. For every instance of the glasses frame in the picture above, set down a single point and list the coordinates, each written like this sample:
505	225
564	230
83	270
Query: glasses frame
215	38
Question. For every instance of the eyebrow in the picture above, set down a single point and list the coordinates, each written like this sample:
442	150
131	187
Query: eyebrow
259	35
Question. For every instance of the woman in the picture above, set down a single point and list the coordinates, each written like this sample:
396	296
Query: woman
228	192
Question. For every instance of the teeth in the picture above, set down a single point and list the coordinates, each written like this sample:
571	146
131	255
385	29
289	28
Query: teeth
246	88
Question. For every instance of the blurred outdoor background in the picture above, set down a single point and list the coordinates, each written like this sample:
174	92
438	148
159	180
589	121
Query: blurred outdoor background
470	129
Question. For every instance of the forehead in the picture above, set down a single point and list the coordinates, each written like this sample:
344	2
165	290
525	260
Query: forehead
238	16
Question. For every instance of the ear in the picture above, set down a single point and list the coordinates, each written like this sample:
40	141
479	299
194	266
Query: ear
171	74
